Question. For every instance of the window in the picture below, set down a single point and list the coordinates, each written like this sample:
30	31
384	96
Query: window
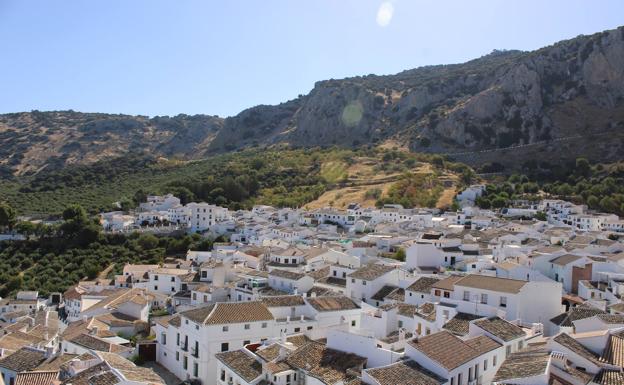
177	356
503	301
364	283
178	339
335	273
204	274
156	288
507	350
155	278
459	379
485	365
194	296
264	325
352	280
225	347
185	362
353	323
247	326
494	361
222	375
436	293
225	328
447	294
163	338
483	298
400	323
520	344
452	380
309	328
246	342
466	296
195	370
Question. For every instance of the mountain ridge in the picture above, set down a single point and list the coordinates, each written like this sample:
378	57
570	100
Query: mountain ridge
506	99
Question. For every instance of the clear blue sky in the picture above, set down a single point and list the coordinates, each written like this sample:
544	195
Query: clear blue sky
218	57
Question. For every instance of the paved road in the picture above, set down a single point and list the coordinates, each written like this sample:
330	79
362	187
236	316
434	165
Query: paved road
170	378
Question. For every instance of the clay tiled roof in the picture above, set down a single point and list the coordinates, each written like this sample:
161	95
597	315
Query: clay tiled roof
575	313
423	284
327	365
614	352
485	282
23	360
565	340
371	272
450	351
269	353
36	378
229	312
332	303
286	274
523	364
383	292
459	324
565	259
500	328
447	283
609	377
611	318
404	373
283	301
241	363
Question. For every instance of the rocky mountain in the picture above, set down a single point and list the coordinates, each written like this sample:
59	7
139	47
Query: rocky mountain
33	141
511	107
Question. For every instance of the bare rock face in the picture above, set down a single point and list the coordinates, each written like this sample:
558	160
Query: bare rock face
504	100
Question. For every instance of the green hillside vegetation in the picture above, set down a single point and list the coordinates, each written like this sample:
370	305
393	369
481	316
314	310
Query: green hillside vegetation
57	256
279	177
599	186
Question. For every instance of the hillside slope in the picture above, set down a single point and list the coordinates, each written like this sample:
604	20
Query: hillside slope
554	103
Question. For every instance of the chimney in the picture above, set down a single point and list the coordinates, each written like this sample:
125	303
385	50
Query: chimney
402	334
94	331
559	359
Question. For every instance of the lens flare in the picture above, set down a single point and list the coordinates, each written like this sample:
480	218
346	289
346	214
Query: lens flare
352	114
384	13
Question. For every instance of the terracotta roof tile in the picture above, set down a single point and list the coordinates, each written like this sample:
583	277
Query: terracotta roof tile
404	373
241	363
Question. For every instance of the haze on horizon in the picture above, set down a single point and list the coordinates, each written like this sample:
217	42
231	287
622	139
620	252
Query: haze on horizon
156	57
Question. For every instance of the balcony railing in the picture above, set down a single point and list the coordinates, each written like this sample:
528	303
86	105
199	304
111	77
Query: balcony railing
184	347
195	352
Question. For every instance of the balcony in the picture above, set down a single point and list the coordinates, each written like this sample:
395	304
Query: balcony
195	352
184	347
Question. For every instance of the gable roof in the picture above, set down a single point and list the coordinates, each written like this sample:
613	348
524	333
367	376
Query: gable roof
286	274
241	363
500	328
460	323
522	365
423	284
229	312
485	282
573	345
565	259
283	301
447	283
23	360
576	313
332	303
404	373
451	352
371	271
325	364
